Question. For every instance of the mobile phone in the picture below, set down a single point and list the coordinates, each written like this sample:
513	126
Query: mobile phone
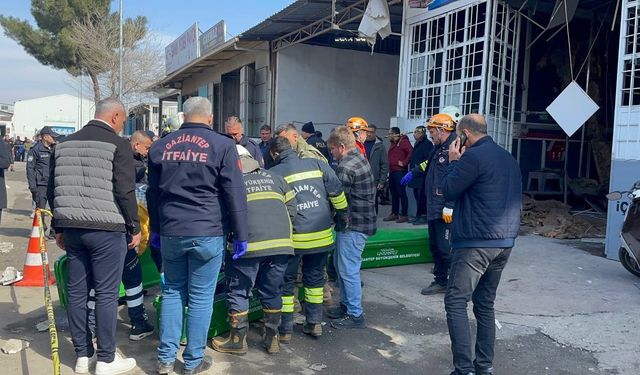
463	140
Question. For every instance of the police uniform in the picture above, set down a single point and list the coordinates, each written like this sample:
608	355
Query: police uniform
318	190
38	173
268	251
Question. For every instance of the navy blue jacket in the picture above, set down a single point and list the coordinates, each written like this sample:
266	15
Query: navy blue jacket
38	166
253	149
487	187
195	185
422	150
436	170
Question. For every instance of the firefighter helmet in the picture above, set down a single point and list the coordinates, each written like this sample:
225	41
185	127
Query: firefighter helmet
441	121
357	123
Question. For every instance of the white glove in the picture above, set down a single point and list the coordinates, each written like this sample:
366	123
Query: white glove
447	215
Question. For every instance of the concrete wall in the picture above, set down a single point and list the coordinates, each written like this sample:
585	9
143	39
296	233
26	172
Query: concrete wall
58	110
329	85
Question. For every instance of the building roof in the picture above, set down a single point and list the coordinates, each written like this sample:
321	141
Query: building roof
298	15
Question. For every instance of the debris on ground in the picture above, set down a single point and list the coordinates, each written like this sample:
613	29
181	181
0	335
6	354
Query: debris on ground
43	326
14	346
10	275
6	247
318	366
551	218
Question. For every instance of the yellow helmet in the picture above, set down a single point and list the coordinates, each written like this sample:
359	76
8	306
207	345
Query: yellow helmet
441	121
357	123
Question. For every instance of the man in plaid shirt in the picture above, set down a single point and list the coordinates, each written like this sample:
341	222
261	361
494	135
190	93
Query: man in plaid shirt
351	235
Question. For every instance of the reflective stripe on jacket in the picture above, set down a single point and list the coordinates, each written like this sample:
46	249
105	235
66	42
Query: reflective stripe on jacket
317	190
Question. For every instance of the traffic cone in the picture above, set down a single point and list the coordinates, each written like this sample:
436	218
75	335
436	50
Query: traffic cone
32	272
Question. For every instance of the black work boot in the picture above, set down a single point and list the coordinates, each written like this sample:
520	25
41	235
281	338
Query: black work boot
286	327
236	343
433	288
336	312
271	324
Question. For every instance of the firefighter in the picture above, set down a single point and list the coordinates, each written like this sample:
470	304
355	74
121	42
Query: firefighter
268	252
359	127
318	190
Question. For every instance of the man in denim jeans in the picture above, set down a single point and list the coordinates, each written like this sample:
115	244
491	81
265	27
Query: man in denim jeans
195	193
359	188
485	182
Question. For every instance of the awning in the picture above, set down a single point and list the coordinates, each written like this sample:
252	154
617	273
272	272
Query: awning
224	52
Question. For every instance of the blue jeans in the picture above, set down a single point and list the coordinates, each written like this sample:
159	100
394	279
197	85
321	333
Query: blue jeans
347	259
191	266
474	275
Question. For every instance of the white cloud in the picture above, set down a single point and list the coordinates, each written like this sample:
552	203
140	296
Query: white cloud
23	77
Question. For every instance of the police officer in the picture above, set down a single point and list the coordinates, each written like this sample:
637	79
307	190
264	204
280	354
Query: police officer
38	168
268	252
314	138
441	128
318	190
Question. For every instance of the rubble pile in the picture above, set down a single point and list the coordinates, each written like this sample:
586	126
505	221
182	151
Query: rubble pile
554	219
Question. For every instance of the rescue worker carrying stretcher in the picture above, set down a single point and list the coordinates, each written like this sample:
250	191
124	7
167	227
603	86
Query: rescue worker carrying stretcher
268	251
317	190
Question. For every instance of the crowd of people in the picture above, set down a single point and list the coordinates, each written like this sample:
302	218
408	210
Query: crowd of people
266	214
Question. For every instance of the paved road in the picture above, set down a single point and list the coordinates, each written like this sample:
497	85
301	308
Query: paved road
563	311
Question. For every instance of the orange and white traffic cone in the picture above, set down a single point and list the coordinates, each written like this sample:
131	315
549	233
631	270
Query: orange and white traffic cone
33	274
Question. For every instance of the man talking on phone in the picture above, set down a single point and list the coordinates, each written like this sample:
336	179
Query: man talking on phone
441	128
485	182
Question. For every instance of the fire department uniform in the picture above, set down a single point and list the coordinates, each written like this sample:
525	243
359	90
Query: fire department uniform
317	190
272	207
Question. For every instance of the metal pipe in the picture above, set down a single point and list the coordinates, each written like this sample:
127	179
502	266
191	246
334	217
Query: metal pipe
121	54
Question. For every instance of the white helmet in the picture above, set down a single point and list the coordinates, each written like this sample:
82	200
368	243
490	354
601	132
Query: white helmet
454	112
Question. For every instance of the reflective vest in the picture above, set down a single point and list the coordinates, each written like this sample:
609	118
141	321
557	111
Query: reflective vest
318	191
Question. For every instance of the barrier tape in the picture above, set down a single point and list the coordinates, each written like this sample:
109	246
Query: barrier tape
53	333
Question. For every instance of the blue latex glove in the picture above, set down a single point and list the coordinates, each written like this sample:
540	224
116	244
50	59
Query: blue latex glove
406	179
239	249
154	240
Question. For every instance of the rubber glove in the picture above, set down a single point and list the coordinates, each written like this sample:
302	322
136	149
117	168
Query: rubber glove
406	179
154	240
239	249
447	215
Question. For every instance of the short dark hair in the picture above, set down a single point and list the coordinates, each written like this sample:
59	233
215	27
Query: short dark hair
394	130
265	127
279	145
475	123
371	126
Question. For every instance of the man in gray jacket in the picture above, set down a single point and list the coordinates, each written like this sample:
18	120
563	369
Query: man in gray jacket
95	216
378	160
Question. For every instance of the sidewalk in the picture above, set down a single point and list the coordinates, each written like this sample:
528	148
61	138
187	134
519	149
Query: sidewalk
561	309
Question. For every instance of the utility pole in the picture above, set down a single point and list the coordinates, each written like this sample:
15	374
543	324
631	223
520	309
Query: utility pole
121	54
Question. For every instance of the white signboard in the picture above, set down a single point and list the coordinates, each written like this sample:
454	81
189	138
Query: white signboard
182	50
572	108
213	37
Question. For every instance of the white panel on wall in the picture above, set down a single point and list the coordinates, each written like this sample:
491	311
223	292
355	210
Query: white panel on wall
329	85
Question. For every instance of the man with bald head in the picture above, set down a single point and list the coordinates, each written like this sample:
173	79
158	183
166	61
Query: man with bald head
196	195
484	181
92	195
140	144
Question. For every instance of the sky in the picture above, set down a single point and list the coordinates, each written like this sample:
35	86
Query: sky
23	77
